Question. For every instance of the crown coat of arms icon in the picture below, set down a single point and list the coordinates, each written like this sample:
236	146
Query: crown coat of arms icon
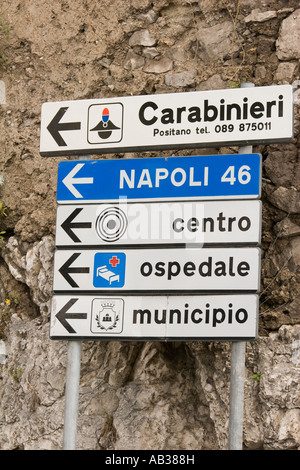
107	315
107	318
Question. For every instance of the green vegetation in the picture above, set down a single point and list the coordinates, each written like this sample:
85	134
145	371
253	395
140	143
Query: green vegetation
4	29
237	84
257	377
16	373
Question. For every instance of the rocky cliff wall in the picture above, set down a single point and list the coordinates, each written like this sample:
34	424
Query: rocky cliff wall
137	395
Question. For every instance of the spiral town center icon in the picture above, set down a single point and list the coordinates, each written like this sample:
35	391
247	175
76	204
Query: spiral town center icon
111	224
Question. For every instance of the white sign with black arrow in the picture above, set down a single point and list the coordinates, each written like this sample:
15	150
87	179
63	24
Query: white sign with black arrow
136	270
162	121
212	222
154	317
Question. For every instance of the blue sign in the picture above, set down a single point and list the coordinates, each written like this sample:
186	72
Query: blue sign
156	179
109	270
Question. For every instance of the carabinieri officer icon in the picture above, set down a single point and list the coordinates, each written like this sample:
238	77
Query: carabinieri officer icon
105	126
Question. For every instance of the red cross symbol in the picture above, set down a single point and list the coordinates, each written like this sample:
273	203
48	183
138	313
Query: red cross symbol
114	261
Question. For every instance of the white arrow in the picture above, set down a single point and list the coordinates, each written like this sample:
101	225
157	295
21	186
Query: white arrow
69	180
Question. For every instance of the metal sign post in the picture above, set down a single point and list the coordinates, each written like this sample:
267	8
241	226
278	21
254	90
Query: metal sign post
72	393
237	374
237	383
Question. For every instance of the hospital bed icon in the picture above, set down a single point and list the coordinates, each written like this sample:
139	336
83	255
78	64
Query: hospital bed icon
106	274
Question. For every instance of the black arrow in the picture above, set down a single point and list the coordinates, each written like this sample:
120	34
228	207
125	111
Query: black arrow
63	315
55	127
65	270
67	225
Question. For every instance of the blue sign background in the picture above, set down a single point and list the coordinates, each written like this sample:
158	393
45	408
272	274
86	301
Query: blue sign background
186	172
109	270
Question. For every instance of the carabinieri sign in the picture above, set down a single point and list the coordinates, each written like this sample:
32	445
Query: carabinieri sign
167	121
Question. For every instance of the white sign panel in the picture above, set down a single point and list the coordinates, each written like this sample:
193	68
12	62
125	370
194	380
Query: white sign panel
166	121
137	270
212	222
107	317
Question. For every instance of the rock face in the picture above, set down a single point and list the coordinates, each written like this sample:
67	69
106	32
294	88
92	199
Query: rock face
288	45
141	395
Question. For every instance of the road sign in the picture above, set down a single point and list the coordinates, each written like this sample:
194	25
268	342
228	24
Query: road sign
166	121
154	317
156	179
152	270
167	223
